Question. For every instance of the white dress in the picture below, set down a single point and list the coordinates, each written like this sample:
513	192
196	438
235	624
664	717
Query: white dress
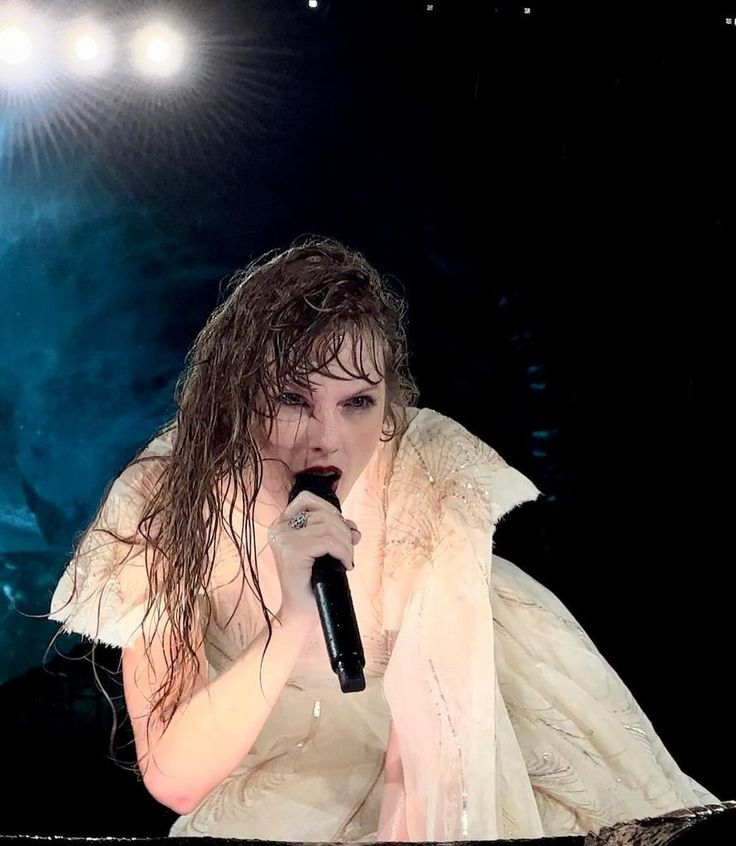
507	720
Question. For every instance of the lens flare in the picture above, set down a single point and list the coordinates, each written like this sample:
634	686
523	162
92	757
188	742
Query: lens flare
158	50
16	46
88	48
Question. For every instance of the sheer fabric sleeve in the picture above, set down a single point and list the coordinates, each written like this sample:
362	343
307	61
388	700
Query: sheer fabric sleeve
447	491
509	721
392	820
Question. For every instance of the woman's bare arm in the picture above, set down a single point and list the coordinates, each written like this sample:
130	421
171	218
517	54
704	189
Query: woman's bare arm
215	728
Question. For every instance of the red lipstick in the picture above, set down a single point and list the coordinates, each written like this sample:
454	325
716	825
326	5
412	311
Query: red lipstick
326	469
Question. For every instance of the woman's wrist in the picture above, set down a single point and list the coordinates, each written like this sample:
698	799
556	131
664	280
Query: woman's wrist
297	619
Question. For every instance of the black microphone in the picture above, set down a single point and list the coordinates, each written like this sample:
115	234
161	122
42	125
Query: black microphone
334	602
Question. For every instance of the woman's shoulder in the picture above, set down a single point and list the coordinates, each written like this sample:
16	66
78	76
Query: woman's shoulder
140	477
427	428
441	457
161	444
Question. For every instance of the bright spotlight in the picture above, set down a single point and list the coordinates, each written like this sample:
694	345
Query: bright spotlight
88	48
15	45
158	50
24	43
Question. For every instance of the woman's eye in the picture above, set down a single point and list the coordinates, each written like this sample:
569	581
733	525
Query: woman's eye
357	403
369	401
284	399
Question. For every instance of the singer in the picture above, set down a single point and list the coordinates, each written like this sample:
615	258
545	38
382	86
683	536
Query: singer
487	712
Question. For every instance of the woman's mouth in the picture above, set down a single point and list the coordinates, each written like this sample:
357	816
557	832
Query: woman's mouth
333	473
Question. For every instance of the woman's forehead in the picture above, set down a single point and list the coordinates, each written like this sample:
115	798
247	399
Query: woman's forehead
354	359
343	383
348	364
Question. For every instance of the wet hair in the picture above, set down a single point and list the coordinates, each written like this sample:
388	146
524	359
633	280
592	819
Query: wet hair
285	316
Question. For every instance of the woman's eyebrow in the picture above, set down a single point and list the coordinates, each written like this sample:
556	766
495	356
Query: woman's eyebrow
367	389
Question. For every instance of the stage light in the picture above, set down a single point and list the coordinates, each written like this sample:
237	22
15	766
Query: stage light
158	50
24	45
313	4
15	45
88	48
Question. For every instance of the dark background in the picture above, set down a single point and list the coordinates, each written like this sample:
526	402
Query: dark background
554	192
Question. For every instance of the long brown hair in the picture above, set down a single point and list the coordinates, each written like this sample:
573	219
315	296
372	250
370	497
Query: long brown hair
285	316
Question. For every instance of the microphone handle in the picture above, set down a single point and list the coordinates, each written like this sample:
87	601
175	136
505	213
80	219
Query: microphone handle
334	602
339	624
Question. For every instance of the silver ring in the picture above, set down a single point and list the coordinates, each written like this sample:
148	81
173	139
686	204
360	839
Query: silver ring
299	520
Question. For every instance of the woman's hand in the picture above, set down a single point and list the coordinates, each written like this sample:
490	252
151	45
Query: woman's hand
295	550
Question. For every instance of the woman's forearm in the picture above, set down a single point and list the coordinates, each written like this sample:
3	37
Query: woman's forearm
211	734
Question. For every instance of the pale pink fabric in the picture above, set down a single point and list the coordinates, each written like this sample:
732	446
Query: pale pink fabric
488	710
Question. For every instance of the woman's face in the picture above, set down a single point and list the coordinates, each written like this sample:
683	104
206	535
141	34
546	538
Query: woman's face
337	424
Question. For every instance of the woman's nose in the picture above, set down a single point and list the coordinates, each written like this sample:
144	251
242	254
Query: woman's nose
324	431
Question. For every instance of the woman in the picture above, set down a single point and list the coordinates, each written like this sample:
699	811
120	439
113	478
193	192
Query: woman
488	713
